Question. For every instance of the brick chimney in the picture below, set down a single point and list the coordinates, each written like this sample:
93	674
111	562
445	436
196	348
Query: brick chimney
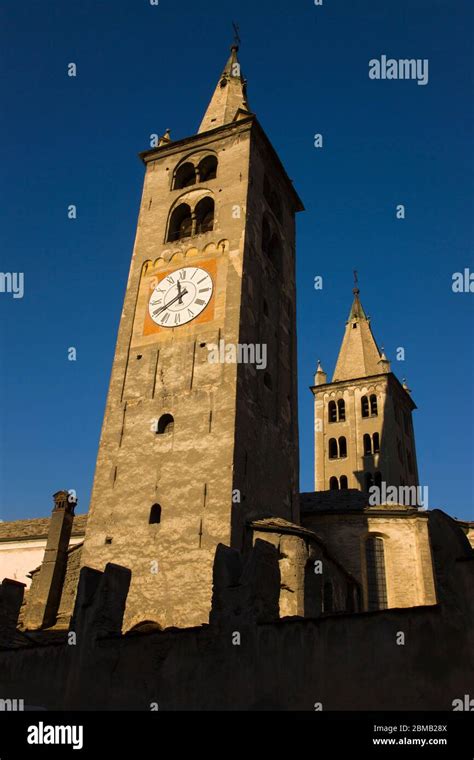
45	593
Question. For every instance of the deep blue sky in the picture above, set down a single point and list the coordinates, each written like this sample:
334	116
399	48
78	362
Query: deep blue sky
142	69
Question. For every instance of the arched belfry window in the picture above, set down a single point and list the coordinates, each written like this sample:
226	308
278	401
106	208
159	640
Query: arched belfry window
364	404
333	484
332	411
204	212
342	447
181	223
337	411
337	448
207	169
165	424
155	515
341	410
373	405
376	581
188	174
185	176
343	482
371	444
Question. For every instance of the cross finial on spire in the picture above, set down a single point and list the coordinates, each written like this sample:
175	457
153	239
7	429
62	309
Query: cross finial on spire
237	39
229	100
356	283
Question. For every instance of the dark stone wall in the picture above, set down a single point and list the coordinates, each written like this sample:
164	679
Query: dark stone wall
418	658
347	662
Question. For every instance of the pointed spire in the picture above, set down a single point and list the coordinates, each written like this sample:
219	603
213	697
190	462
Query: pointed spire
229	97
320	377
357	310
359	355
384	362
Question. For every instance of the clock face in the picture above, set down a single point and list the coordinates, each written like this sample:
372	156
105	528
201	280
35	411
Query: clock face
180	297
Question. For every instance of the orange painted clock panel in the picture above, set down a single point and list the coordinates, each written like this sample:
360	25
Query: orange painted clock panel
149	283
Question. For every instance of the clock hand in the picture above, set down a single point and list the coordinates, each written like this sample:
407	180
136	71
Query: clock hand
170	303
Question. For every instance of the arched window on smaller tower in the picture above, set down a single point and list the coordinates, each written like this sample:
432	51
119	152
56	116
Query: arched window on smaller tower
343	482
364	403
207	169
181	223
373	405
376	443
342	447
165	424
341	408
375	565
328	597
333	484
378	479
369	481
367	445
332	448
185	176
155	515
332	412
204	215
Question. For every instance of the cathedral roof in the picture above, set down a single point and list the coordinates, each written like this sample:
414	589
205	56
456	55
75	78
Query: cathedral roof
229	98
359	355
280	525
37	528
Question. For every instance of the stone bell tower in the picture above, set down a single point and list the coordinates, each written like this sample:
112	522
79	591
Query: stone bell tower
364	438
200	428
363	417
